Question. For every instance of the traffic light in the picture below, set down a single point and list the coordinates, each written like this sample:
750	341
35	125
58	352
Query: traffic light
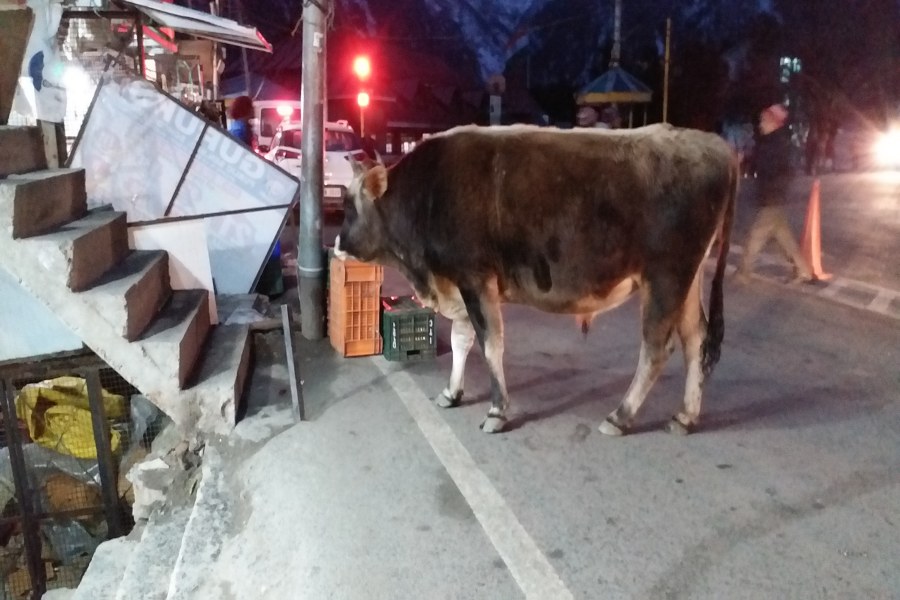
362	67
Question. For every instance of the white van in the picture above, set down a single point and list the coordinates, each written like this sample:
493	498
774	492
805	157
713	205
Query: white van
341	144
268	115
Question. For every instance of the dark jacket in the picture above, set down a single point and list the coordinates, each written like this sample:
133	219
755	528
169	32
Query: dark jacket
772	162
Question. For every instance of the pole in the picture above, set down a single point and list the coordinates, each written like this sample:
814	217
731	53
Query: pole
142	66
617	31
362	121
665	115
310	257
214	10
247	86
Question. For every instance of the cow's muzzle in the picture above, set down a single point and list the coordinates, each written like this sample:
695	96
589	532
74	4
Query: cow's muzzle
338	253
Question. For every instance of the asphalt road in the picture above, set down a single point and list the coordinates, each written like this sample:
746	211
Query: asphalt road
791	488
860	223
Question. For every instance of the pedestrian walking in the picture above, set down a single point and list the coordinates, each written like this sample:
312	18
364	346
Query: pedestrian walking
773	177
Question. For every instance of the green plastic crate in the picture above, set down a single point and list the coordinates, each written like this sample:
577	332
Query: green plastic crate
407	329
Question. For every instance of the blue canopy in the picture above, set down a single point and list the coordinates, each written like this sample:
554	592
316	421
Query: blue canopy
616	85
261	88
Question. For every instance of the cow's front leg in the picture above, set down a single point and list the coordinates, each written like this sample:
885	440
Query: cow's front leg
487	320
462	335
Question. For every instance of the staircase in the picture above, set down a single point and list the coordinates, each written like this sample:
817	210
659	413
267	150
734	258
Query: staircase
118	301
169	556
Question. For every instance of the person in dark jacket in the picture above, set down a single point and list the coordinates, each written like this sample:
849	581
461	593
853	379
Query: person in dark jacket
772	161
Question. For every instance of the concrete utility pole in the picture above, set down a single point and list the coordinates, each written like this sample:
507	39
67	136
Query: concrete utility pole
310	257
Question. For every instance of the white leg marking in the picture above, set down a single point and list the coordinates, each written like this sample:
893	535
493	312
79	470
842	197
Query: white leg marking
643	380
462	336
692	331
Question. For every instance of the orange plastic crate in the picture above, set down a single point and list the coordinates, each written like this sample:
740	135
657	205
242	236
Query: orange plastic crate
354	307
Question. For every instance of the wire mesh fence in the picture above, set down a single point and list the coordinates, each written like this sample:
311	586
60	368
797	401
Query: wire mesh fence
67	440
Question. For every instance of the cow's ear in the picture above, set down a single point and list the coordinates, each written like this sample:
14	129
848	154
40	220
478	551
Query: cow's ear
375	182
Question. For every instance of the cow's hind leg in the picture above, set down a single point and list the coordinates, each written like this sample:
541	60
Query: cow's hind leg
658	316
692	331
487	319
462	336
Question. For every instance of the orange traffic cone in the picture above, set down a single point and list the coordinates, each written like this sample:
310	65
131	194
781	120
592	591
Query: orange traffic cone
811	246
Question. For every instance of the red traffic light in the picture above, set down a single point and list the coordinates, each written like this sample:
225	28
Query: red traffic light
362	67
362	99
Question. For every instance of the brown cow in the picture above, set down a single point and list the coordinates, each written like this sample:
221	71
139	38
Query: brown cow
566	221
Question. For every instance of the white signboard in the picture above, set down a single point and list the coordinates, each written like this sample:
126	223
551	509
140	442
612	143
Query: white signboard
149	156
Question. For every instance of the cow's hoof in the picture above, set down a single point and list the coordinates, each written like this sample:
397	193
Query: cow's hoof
493	424
607	427
445	400
676	427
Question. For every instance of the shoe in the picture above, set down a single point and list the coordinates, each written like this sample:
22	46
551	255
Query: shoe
807	279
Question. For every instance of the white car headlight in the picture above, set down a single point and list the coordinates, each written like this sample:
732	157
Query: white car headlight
887	148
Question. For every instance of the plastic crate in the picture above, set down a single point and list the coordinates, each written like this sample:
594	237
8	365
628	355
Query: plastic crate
354	310
408	329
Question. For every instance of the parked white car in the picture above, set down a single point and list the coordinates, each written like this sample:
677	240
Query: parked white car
341	144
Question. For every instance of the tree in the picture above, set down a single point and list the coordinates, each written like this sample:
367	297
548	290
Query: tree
849	50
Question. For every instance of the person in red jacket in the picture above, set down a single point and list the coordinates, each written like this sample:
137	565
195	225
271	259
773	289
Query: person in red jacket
772	162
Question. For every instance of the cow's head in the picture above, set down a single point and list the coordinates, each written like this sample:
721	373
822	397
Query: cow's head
362	233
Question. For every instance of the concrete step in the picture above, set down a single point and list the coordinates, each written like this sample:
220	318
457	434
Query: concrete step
130	295
206	531
183	325
150	566
40	202
107	568
21	150
82	251
222	376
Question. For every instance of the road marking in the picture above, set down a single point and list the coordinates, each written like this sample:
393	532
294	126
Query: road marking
882	302
529	567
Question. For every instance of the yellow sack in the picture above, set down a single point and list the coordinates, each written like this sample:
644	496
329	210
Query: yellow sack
58	415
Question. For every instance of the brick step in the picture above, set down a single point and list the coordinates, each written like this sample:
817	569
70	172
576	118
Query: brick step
221	377
82	251
183	323
21	150
39	202
130	295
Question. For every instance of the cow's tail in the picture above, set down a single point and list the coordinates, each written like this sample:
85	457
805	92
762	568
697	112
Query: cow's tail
715	331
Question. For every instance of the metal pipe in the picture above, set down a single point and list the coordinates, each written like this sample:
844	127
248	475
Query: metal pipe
108	487
24	492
